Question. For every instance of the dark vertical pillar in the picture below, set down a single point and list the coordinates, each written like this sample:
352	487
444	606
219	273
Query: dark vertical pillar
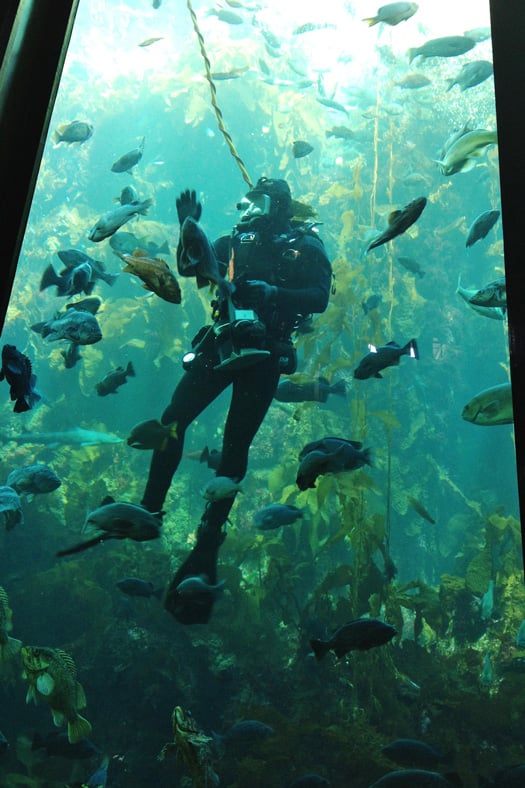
508	19
35	34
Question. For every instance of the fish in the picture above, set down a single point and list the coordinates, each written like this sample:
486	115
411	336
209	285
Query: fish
392	14
472	74
212	457
329	455
118	521
196	585
11	513
126	162
496	313
361	634
413	82
9	647
478	34
33	480
57	743
128	243
232	73
243	732
481	226
309	27
99	777
111	382
192	748
412	752
74	257
340	133
311	391
449	46
465	150
384	356
490	407
17	371
414	778
91	304
411	265
372	302
301	148
76	131
70	282
331	104
276	515
71	355
155	274
51	674
135	586
110	222
494	294
420	509
156	3
146	43
399	221
151	434
520	637
74	437
230	17
197	258
487	602
220	487
76	326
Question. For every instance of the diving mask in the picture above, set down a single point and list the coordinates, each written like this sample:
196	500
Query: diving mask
255	205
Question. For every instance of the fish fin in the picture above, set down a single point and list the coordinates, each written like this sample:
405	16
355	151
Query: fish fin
411	349
31	693
367	456
45	684
79	729
320	648
371	20
339	388
393	216
107	500
10	649
80	701
130	369
379	375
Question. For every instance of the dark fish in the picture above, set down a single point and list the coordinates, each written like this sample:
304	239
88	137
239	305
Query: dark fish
91	305
384	356
212	457
414	778
198	586
511	777
420	509
148	42
111	382
307	780
313	391
135	586
393	13
33	479
481	226
69	282
156	275
198	259
71	355
79	327
118	521
329	455
411	265
77	131
17	371
110	222
127	195
151	434
412	752
275	515
11	514
57	743
301	148
244	732
360	635
399	222
74	257
4	744
492	295
450	46
472	74
372	302
413	82
340	132
126	162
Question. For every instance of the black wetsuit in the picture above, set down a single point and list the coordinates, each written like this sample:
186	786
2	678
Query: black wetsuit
296	264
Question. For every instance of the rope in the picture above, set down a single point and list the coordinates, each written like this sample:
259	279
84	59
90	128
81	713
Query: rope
213	92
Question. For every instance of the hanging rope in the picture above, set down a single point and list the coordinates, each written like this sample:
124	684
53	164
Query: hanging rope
213	92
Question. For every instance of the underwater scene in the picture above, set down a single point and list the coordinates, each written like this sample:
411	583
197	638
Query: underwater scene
368	623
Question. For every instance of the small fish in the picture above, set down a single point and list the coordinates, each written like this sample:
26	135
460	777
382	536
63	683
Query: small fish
490	407
230	17
276	515
11	513
155	274
243	732
232	73
111	382
411	265
135	586
82	328
51	674
128	194
311	391
75	257
309	27
414	778
487	674
118	521
393	14
420	509
371	303
110	222
126	162
487	602
71	355
33	479
76	131
74	437
520	637
69	282
413	82
220	487
301	148
57	743
361	634
147	43
340	132
412	752
198	259
385	356
329	455
9	647
472	74
152	434
449	46
331	104
399	221
494	294
17	371
481	226
196	585
463	153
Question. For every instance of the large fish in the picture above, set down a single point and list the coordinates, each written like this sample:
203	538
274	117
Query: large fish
462	154
361	634
155	274
472	74
77	326
74	437
494	312
399	221
481	226
492	295
197	257
385	356
490	407
110	222
449	46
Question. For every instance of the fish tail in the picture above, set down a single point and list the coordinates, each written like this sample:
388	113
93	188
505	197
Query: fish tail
339	388
371	20
49	277
412	53
145	205
130	369
21	405
78	729
79	548
367	456
320	648
411	349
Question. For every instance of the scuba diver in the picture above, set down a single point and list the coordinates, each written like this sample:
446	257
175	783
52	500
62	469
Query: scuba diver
278	274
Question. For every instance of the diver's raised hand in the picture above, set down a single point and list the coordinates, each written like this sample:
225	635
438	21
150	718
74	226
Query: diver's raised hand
188	205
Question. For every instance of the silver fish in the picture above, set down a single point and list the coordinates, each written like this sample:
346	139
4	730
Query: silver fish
110	222
490	407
